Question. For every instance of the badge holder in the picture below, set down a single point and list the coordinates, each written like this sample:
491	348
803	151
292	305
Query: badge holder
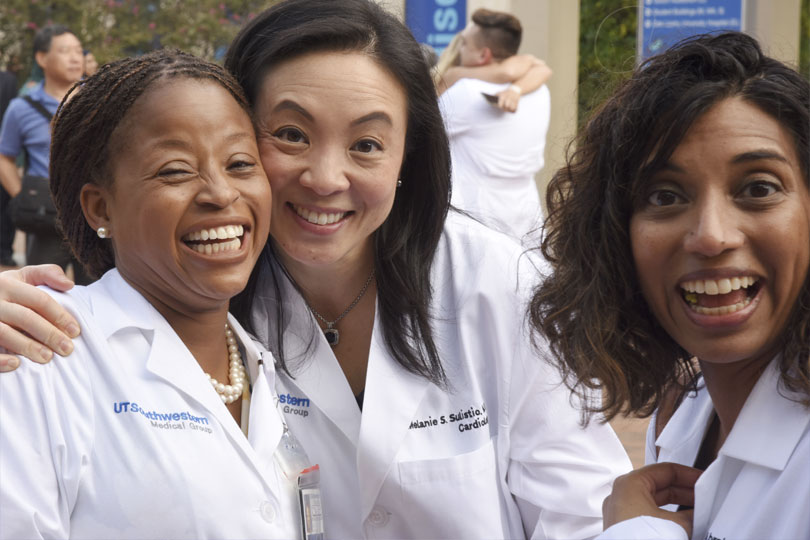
294	462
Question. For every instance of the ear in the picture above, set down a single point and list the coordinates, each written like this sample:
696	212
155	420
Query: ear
485	56
39	57
94	200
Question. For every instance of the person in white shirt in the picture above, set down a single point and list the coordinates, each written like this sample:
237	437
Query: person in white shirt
496	154
680	249
404	364
133	437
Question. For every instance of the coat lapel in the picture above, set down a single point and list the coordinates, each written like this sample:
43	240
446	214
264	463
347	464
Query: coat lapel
316	372
391	400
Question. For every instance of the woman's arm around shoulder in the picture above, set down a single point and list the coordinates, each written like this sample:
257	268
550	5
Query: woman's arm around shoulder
33	324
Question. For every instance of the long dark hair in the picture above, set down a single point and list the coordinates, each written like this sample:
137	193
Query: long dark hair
591	309
405	244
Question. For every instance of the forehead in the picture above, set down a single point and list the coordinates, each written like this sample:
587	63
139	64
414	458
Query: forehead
342	81
173	104
736	125
65	40
470	32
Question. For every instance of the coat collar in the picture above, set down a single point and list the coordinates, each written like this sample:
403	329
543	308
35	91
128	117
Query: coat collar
122	306
769	426
765	433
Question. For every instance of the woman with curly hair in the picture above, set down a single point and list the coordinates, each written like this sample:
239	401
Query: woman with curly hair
679	235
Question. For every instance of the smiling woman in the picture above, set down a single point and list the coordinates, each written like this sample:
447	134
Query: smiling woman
171	206
688	197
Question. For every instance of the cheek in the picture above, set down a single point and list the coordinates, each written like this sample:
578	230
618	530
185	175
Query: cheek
648	257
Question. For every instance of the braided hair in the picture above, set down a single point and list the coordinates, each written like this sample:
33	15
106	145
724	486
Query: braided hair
83	136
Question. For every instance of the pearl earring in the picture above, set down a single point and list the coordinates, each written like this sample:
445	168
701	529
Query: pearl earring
399	182
102	232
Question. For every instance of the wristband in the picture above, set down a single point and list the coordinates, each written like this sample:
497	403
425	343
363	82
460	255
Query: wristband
515	88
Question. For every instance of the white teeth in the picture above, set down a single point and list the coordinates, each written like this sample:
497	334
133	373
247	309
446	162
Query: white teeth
215	233
209	249
319	218
231	233
722	310
720	286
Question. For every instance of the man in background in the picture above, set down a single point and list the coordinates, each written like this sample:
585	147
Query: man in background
495	153
26	127
8	90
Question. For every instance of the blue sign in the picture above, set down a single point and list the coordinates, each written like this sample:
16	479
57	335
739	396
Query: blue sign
436	22
662	23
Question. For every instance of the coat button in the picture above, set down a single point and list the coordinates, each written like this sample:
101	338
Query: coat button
378	517
268	511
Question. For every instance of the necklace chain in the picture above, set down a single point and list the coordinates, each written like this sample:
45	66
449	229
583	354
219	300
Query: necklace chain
331	333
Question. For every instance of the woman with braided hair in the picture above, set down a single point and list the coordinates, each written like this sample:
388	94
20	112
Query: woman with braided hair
152	158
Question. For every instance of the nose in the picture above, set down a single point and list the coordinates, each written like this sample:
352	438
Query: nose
714	229
325	172
218	191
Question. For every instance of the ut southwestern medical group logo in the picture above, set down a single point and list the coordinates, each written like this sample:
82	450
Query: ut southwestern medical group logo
180	420
294	405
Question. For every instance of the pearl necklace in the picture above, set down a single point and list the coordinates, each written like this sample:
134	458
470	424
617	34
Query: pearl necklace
231	392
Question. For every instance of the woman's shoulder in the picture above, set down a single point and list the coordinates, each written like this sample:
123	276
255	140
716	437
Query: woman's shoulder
476	254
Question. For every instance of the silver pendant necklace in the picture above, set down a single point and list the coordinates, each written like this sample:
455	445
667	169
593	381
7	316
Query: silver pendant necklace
330	332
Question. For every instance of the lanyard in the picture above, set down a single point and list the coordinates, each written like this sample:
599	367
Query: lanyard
296	466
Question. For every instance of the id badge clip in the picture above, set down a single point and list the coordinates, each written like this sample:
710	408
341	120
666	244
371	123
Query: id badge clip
294	462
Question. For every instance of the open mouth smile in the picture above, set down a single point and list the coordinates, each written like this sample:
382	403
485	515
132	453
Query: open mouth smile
318	218
720	296
216	239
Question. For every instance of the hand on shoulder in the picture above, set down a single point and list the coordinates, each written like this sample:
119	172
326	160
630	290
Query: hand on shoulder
33	324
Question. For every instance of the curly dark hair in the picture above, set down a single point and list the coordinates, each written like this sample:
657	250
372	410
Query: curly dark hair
591	309
405	244
83	134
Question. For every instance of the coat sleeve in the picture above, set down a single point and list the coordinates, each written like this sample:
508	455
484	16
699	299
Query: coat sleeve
645	528
559	471
46	414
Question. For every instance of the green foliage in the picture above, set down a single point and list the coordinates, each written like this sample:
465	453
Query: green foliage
804	39
113	29
607	49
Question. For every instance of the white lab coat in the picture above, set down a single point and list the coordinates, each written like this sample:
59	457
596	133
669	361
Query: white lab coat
516	463
759	485
496	155
126	438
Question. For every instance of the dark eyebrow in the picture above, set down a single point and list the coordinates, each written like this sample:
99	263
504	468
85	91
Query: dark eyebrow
745	157
172	143
669	166
757	155
288	105
238	136
180	144
379	115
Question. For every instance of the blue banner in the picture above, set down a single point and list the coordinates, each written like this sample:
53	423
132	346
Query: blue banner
662	23
435	22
